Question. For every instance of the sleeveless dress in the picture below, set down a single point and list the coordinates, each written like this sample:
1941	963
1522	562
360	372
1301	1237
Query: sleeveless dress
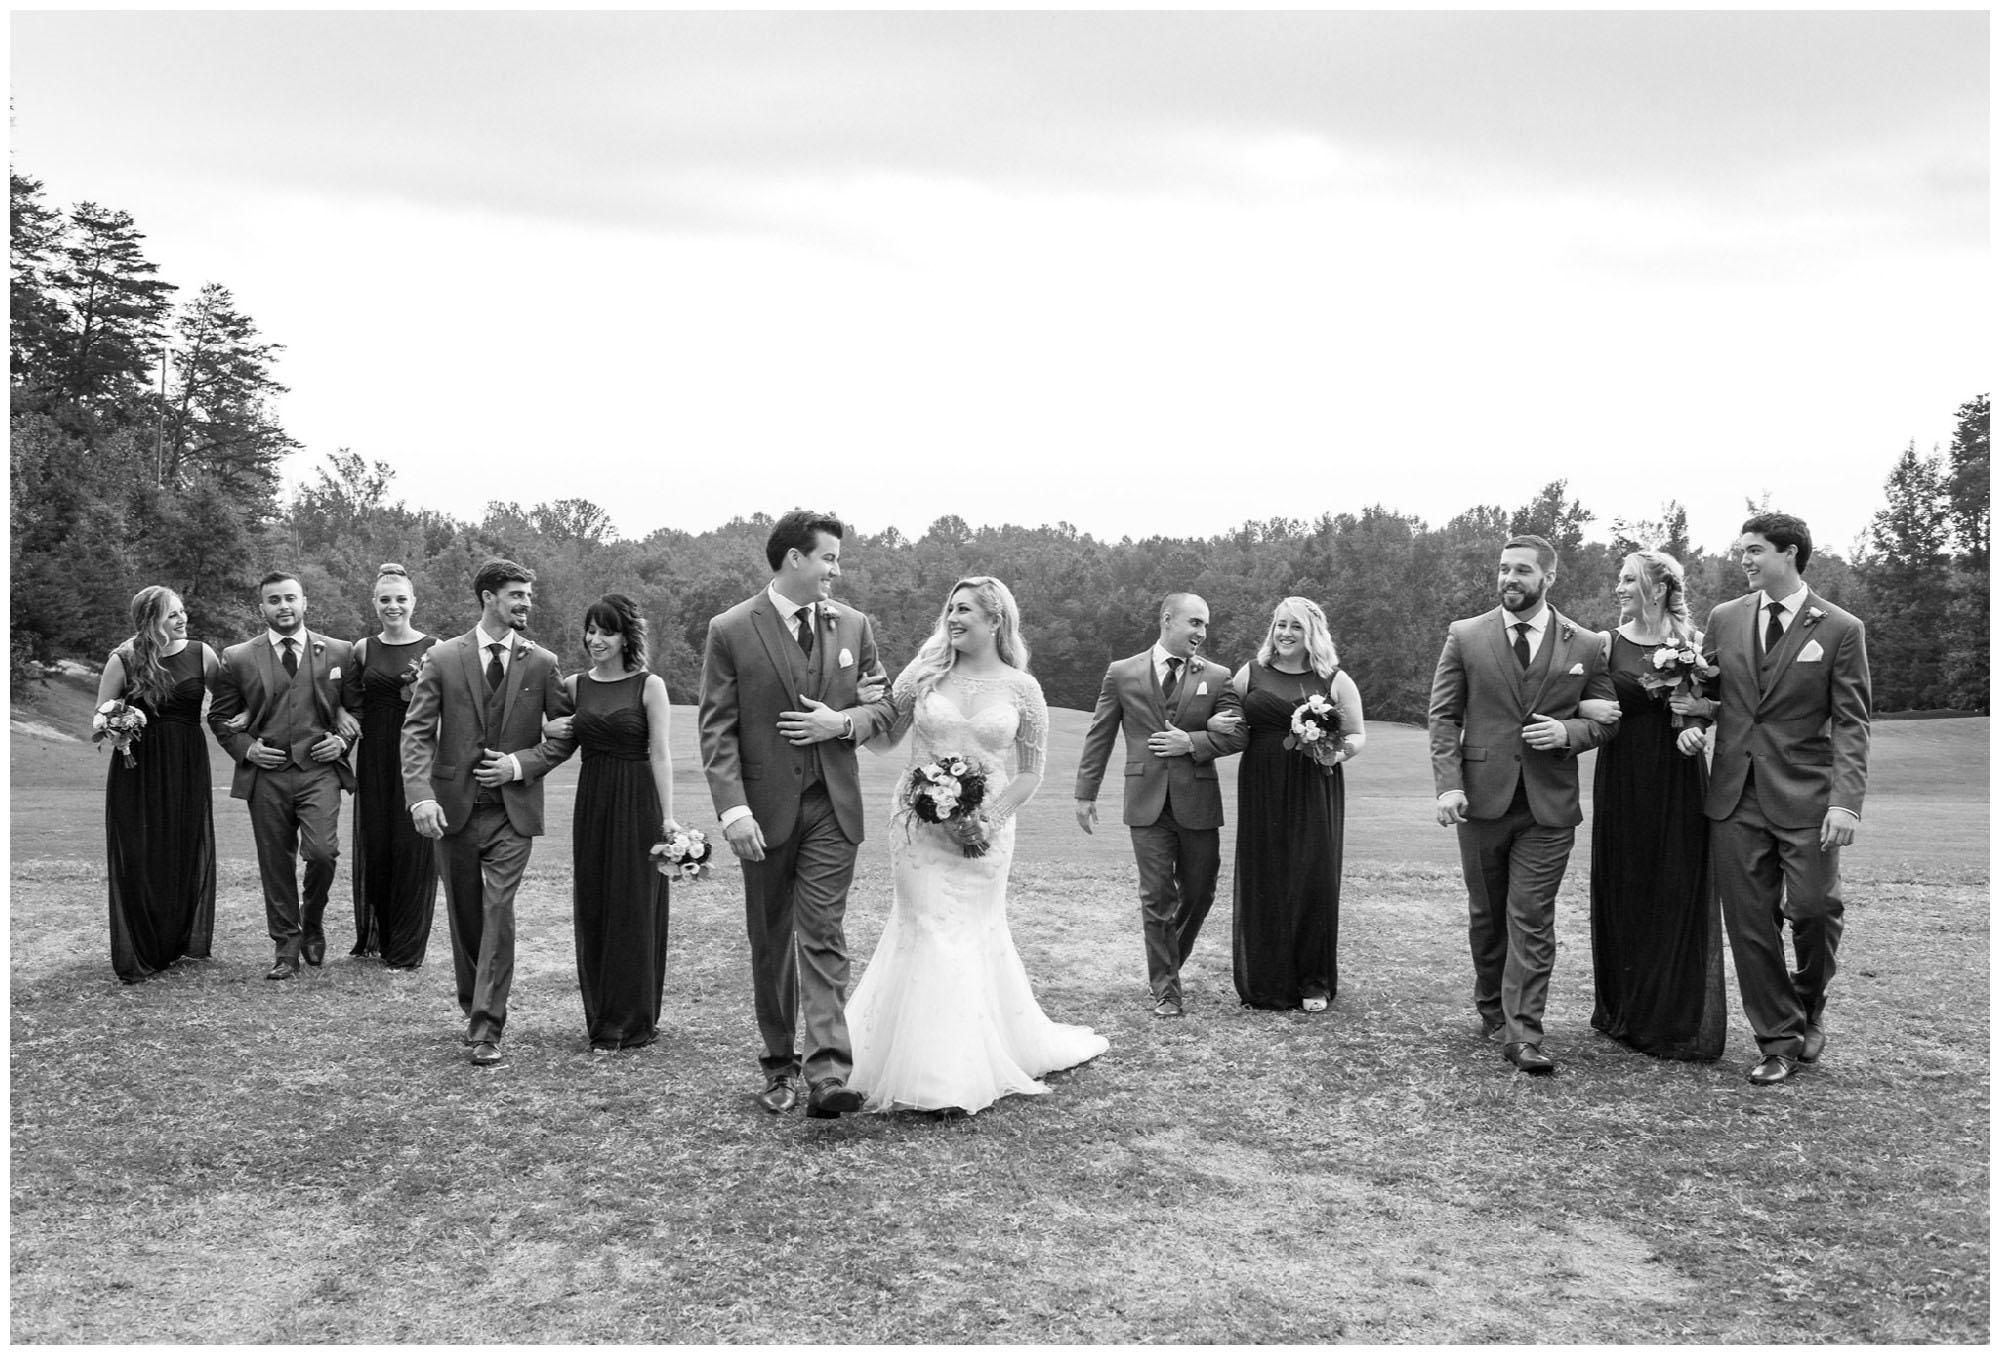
159	831
620	898
1290	834
395	871
1655	926
944	1017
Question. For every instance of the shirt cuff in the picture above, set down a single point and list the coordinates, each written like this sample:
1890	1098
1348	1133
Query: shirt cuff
513	767
420	804
733	813
1845	810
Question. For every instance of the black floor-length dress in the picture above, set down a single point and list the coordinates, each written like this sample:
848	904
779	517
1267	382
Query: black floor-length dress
620	897
159	831
395	866
1290	826
1655	923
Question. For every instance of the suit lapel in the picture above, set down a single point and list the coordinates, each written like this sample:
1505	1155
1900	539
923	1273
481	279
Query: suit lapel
780	643
516	679
825	641
269	674
1556	650
309	670
474	669
1503	655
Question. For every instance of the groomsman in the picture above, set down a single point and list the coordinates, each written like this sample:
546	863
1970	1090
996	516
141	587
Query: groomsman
1162	698
1504	741
276	712
1785	791
474	756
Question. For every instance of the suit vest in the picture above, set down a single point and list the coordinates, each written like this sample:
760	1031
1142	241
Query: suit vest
294	719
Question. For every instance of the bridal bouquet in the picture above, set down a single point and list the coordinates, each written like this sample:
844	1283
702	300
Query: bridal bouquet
683	855
1677	670
1316	731
948	791
118	723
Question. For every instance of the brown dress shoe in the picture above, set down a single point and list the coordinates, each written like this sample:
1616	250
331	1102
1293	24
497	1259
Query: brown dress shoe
1528	1058
830	1099
1771	1071
486	1053
281	970
1814	1046
778	1097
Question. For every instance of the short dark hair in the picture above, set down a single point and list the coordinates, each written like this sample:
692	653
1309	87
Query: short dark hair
1783	530
495	574
799	530
275	576
1545	554
616	614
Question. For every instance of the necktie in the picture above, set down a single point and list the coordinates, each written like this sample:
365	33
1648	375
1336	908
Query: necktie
1173	682
1521	643
291	657
495	674
1776	630
806	630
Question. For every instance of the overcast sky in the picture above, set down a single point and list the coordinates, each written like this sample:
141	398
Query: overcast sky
1145	273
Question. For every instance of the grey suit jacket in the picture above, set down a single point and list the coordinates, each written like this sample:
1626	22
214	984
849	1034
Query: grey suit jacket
752	671
445	730
1130	700
250	678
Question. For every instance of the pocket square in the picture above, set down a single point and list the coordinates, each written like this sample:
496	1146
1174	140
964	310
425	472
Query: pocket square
1201	690
846	658
1576	670
1812	653
333	675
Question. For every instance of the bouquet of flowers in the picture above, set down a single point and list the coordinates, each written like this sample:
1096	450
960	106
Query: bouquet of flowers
1316	731
1677	670
683	855
118	723
948	790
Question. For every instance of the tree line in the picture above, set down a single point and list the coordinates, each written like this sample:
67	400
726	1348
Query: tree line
119	480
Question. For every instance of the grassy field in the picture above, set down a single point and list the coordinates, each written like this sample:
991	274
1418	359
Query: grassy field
207	1157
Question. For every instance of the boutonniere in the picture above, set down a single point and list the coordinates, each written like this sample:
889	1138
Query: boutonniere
1814	616
319	648
1568	629
830	613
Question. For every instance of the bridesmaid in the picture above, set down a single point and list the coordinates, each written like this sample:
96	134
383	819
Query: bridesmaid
395	868
1291	817
159	824
1655	929
624	804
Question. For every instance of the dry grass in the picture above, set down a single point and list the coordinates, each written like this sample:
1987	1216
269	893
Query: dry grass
207	1157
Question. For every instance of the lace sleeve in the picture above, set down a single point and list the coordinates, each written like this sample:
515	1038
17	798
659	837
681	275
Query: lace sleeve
1031	740
902	695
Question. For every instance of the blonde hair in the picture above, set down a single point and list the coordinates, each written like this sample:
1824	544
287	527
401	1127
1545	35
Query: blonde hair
146	677
1661	573
1319	637
936	657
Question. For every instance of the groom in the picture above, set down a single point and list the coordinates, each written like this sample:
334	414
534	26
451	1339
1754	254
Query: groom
1504	740
1162	698
473	757
780	720
1785	792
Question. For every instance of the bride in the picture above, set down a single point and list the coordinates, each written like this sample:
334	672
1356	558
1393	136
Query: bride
943	1018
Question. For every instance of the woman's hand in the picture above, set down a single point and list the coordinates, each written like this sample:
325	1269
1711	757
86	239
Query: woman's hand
346	725
239	722
1689	704
870	690
1598	709
1225	723
670	826
562	727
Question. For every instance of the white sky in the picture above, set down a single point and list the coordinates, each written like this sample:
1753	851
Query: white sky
1143	272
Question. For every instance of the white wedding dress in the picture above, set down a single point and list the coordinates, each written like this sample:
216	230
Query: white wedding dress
943	1016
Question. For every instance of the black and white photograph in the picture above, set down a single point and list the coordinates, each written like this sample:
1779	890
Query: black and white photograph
1009	677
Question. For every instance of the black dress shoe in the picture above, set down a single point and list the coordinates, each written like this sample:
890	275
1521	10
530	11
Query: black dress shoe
1492	1032
281	970
313	948
1528	1058
1773	1070
1166	1006
486	1053
779	1096
831	1099
1815	1045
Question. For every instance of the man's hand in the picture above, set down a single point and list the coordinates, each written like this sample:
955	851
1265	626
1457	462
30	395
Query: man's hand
1170	742
492	771
265	756
329	748
1837	829
1452	807
428	817
1086	815
1545	735
1692	740
817	723
745	838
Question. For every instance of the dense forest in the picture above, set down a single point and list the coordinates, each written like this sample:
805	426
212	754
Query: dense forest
119	480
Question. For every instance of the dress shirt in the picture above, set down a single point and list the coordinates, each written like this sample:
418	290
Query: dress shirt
1538	625
1160	657
1793	605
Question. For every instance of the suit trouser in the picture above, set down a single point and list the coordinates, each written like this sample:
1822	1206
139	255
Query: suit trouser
482	865
795	902
1177	872
1765	875
295	816
1513	868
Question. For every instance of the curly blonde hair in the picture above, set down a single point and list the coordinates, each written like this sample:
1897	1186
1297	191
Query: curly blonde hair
936	657
1319	636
